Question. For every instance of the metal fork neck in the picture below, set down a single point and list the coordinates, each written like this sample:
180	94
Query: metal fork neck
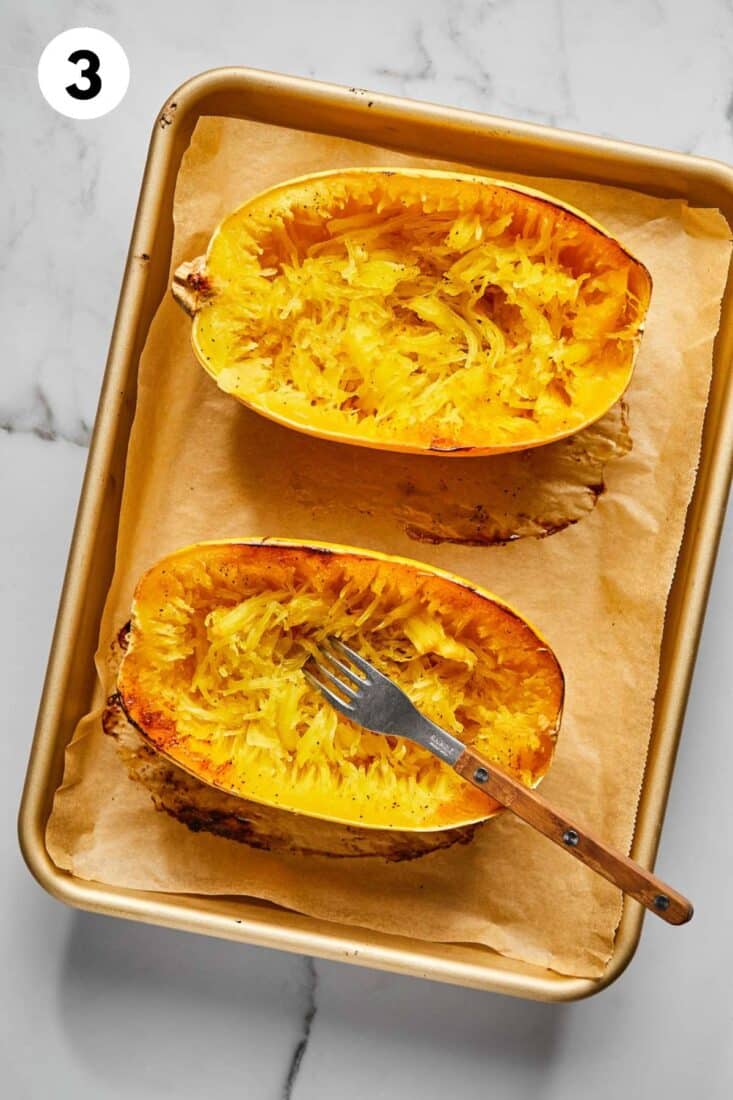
435	739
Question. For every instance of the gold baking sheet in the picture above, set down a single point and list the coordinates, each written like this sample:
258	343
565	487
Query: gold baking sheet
431	131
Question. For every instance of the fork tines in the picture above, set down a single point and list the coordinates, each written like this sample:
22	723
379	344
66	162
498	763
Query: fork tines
322	672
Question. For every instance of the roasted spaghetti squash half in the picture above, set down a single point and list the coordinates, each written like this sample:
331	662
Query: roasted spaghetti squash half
417	311
212	677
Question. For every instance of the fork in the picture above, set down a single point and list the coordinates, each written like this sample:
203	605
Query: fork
366	696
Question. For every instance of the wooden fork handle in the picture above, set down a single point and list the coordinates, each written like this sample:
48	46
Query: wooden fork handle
531	807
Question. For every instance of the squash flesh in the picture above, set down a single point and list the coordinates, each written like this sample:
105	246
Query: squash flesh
213	677
420	313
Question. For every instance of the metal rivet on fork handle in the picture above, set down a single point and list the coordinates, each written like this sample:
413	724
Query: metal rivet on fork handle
481	775
571	838
661	902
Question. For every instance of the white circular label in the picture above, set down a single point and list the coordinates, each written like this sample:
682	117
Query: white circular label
83	73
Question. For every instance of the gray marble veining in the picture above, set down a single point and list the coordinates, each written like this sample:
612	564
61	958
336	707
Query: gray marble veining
309	1015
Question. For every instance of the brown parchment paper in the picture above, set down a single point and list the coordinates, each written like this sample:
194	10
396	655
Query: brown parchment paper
202	466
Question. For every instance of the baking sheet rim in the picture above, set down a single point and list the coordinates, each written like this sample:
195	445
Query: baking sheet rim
497	973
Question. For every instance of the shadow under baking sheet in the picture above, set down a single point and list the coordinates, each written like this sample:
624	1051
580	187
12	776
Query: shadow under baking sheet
255	1010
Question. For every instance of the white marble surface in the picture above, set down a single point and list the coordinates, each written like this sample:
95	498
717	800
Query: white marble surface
98	1009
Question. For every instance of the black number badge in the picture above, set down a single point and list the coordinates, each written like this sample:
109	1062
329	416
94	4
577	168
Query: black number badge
90	73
